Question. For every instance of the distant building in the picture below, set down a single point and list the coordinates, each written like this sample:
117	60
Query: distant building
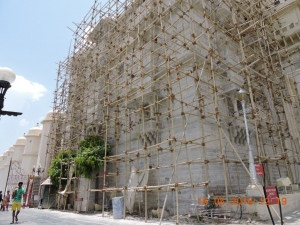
26	161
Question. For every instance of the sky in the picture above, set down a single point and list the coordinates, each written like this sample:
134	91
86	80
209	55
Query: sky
34	37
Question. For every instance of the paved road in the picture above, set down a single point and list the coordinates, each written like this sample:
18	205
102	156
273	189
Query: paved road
44	217
49	217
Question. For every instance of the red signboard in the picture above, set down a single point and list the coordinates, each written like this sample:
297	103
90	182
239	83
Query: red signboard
259	169
272	197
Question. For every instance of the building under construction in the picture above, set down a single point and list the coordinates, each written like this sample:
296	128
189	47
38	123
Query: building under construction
158	80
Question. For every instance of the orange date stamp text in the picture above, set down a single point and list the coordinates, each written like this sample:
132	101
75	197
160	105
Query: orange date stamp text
240	201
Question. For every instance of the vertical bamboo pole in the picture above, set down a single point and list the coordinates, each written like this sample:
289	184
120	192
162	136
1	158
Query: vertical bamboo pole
217	115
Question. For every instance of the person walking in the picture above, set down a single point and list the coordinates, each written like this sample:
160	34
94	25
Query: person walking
3	203
16	204
7	199
1	199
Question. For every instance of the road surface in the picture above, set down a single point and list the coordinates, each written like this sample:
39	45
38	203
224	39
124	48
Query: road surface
35	216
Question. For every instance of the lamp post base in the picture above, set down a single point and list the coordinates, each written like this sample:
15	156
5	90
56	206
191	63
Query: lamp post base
253	190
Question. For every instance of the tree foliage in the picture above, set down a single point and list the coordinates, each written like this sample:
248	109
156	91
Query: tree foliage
58	169
88	159
90	156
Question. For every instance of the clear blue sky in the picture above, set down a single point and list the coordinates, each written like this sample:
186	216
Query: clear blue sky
34	37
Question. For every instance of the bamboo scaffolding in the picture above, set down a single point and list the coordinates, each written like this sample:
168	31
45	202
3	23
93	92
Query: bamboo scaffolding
157	80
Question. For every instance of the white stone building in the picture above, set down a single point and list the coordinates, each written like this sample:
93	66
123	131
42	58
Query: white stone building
158	81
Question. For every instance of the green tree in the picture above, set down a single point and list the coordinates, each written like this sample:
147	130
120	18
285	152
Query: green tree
91	154
56	169
88	159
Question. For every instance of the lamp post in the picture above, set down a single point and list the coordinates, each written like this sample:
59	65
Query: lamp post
7	76
242	96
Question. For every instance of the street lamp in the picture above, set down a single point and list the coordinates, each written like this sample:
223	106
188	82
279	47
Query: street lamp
242	96
7	76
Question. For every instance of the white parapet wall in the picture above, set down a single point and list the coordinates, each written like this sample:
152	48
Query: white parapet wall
19	149
31	149
42	151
